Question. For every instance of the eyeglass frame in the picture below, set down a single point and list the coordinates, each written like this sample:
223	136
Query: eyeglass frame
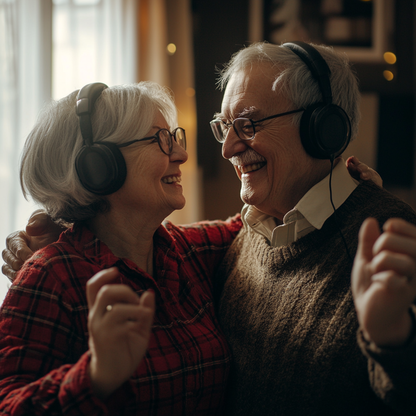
156	136
253	123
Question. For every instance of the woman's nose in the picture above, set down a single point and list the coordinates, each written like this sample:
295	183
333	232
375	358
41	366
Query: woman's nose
179	154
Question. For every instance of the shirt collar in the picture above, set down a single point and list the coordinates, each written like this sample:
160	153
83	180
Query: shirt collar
90	247
316	205
311	211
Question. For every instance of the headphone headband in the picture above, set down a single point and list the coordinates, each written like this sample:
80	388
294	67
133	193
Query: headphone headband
325	128
316	64
86	98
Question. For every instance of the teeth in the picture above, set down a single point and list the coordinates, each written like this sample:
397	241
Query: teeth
171	179
252	167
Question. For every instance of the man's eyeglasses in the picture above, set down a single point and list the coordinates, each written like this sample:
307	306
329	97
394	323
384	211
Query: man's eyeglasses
165	139
245	128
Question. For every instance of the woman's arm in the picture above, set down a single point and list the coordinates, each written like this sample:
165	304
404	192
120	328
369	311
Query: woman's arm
41	342
45	363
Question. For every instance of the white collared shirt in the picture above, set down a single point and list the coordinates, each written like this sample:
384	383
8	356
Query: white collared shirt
310	212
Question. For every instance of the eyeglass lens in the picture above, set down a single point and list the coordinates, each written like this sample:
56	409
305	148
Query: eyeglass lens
166	139
180	137
242	126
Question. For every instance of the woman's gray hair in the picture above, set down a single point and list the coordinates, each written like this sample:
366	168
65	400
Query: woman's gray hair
47	170
295	80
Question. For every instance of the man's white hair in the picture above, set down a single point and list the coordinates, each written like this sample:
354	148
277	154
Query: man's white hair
295	81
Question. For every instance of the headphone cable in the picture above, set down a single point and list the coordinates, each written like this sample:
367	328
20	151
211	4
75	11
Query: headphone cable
335	212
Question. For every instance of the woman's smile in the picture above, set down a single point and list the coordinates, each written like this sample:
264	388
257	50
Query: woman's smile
172	179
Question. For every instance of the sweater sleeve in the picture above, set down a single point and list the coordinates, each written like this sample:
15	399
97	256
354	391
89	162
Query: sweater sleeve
42	367
392	373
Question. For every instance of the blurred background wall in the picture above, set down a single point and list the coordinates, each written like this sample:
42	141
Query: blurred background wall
365	30
49	48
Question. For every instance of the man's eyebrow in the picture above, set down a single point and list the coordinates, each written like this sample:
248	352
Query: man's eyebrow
245	112
248	112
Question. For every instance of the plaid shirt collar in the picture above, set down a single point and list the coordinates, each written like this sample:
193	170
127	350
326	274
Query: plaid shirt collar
87	244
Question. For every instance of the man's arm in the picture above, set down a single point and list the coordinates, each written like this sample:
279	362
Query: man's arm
384	290
40	231
384	281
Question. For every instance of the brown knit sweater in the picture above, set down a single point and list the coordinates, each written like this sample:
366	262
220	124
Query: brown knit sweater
289	317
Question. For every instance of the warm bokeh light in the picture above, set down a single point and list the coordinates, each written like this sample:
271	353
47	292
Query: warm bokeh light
388	75
190	92
171	48
390	57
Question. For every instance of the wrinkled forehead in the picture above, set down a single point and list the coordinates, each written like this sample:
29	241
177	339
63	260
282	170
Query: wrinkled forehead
250	91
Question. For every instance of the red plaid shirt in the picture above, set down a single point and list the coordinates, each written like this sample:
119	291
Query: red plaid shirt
44	338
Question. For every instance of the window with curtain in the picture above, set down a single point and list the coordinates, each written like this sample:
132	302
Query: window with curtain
47	50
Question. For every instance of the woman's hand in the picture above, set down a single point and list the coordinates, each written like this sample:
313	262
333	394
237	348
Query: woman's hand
20	245
361	171
384	281
119	324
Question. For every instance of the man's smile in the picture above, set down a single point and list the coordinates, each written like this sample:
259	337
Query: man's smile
248	161
252	167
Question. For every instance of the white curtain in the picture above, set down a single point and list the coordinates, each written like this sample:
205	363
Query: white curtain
48	49
93	40
25	27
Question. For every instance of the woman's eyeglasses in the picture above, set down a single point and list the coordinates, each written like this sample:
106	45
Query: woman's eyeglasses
165	139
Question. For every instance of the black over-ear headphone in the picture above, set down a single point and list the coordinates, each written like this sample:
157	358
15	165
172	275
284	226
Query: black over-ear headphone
325	128
100	166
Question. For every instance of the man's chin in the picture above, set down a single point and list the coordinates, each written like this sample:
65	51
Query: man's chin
248	198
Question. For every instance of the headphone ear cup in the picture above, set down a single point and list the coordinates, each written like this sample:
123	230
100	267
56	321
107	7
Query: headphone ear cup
325	130
101	168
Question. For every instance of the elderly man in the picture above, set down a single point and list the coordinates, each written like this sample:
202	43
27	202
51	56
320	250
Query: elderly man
284	294
284	291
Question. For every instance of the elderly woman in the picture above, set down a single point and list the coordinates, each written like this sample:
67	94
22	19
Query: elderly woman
70	344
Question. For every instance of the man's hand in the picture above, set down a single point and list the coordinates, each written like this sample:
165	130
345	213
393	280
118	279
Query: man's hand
20	245
361	171
384	281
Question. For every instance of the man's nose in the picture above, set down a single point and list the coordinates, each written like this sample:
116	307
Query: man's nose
233	145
